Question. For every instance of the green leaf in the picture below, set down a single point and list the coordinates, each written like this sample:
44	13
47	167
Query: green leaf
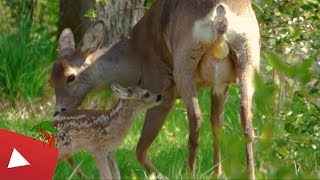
306	7
290	128
46	125
299	71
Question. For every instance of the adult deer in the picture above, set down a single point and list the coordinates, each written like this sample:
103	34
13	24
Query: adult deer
178	47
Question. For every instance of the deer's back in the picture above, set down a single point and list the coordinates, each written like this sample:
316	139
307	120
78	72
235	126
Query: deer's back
155	39
167	27
88	129
167	16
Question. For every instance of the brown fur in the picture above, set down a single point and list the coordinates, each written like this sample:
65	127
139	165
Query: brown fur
177	48
101	132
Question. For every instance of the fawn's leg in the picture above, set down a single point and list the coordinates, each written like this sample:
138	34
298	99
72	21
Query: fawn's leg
218	99
155	118
65	153
113	166
103	165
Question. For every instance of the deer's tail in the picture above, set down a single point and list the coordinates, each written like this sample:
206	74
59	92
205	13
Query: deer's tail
220	48
212	29
220	21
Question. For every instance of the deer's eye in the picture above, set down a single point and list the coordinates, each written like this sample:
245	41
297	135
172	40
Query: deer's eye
71	78
146	95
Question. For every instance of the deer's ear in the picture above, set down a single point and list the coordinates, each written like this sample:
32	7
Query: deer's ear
66	41
93	38
120	91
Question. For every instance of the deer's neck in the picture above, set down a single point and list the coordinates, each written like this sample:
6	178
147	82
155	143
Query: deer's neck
115	65
124	112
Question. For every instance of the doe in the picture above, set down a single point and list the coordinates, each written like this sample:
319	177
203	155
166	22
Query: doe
176	49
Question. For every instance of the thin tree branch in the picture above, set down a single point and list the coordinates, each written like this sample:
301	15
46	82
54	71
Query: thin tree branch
301	13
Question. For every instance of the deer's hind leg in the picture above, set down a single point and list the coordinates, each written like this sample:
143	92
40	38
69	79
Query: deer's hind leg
155	119
245	42
185	69
247	90
218	99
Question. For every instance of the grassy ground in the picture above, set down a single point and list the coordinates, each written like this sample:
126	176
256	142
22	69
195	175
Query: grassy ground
169	151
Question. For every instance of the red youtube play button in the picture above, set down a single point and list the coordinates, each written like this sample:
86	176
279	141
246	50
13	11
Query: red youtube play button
22	157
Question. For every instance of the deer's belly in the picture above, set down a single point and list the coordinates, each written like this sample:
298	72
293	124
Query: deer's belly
216	73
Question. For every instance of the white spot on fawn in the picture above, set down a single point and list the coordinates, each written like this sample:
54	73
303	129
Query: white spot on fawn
61	118
102	119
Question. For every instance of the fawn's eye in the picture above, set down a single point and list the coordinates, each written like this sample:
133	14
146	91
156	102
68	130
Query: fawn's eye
146	95
71	78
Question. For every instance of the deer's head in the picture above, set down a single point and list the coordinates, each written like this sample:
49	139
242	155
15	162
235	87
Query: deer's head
68	77
142	97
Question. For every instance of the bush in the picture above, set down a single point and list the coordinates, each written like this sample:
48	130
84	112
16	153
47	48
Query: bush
287	90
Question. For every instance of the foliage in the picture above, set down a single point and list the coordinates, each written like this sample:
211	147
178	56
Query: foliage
27	46
288	86
149	3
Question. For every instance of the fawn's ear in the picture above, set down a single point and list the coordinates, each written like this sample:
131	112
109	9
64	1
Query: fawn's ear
120	91
66	41
93	38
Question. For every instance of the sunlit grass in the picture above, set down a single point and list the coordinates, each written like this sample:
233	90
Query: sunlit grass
169	151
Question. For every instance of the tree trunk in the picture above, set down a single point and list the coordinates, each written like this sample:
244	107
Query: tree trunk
72	16
119	16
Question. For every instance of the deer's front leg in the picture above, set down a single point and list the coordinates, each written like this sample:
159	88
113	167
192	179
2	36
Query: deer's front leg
218	99
155	118
184	76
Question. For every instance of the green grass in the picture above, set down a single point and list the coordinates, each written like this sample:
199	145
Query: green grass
169	151
27	50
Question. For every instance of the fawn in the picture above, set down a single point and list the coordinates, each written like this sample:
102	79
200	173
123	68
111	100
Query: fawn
101	132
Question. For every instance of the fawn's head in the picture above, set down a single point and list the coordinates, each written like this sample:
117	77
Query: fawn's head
141	96
68	76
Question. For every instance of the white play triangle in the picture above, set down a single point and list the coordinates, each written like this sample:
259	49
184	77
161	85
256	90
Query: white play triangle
17	160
